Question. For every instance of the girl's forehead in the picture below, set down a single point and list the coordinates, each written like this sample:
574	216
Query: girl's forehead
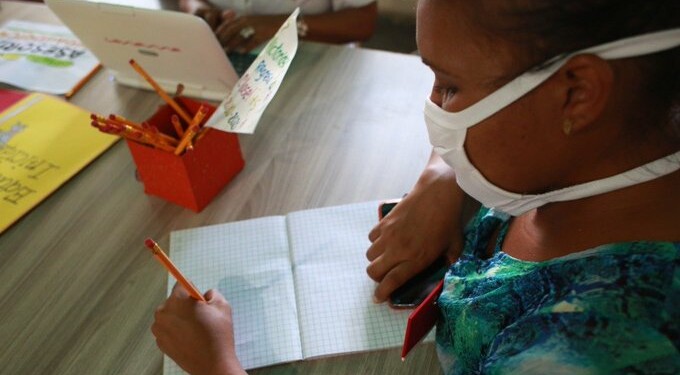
451	43
449	24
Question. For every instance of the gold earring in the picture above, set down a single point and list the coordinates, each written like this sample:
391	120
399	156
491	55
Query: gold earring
566	126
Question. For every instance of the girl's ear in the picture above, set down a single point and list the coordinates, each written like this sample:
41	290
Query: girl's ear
589	81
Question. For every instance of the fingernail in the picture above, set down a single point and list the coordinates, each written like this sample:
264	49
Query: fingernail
376	300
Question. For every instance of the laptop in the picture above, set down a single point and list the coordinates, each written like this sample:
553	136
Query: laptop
173	47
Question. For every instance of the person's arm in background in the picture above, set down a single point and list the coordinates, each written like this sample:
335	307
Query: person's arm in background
341	26
427	223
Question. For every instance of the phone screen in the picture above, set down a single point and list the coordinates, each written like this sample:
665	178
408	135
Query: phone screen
386	207
414	291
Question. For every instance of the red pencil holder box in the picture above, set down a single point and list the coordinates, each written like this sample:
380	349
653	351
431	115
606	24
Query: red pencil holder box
195	177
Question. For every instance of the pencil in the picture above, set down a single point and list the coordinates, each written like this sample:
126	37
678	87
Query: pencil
83	81
188	135
127	129
171	102
178	126
179	90
201	133
167	263
192	130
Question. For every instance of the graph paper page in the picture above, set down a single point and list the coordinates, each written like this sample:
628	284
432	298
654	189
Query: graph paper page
337	313
249	263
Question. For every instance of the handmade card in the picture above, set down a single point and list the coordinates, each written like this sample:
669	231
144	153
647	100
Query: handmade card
242	109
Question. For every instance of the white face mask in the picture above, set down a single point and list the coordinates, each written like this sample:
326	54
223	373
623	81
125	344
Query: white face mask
447	132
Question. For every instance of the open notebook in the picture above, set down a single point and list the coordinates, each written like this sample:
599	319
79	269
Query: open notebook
297	284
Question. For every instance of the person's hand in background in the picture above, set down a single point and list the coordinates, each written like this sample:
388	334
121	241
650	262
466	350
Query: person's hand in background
243	33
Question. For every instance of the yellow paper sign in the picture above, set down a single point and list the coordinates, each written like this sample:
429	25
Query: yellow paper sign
44	141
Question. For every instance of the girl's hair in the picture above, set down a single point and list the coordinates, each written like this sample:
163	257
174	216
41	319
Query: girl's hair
542	29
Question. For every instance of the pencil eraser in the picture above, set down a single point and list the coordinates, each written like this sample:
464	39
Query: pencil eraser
149	243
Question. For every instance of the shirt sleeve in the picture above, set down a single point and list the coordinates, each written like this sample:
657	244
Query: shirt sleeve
342	4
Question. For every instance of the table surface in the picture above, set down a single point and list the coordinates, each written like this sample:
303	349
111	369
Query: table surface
77	286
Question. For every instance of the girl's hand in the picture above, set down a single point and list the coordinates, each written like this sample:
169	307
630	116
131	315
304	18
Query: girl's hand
197	335
425	224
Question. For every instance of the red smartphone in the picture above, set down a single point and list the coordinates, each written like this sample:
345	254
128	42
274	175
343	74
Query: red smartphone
416	289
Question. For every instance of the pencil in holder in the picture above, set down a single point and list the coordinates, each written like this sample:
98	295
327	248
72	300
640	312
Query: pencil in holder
193	178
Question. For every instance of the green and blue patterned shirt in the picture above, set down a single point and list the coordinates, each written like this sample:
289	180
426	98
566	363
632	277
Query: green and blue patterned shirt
611	309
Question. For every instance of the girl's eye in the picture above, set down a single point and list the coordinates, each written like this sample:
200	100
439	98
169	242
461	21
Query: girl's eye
447	92
444	93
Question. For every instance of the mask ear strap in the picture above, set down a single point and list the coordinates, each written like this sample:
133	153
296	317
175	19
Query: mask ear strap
503	97
638	45
629	47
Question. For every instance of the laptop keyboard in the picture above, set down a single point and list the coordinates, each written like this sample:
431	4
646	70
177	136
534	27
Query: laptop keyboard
241	61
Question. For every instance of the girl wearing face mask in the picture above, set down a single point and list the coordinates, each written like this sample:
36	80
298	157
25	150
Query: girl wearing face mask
562	120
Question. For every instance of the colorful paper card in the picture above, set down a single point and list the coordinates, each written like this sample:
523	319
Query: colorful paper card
44	141
241	110
41	57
